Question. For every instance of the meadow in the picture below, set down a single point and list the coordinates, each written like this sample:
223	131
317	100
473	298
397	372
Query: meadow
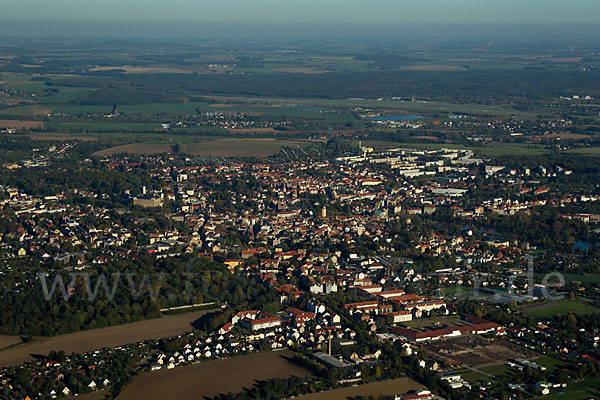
562	308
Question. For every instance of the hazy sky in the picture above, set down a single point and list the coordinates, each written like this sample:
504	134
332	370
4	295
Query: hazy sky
303	11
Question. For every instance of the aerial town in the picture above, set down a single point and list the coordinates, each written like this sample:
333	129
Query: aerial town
312	200
354	263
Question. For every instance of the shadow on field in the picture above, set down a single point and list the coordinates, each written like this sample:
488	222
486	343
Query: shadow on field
203	320
38	357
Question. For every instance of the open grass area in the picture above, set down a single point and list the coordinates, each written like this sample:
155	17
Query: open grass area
26	111
551	363
81	109
65	95
497	370
584	278
162	108
473	376
15	78
562	308
102	126
586	389
592	151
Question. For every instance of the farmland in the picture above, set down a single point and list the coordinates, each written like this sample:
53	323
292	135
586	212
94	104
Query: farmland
101	126
376	389
211	378
94	339
136	148
6	341
212	148
18	124
237	147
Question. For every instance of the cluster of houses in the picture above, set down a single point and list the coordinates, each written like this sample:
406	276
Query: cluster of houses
238	120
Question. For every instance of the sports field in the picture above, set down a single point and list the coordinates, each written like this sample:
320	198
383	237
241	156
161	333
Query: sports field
562	308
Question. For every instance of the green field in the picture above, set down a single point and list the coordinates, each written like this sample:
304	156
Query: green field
473	376
498	370
80	109
550	362
26	111
64	95
162	108
584	278
586	389
592	151
15	78
102	126
562	308
218	147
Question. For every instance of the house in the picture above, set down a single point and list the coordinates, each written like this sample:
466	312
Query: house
400	316
261	321
300	317
225	328
416	395
315	307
